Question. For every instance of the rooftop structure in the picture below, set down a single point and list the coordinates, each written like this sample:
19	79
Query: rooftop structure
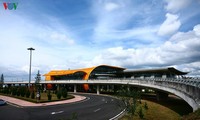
109	72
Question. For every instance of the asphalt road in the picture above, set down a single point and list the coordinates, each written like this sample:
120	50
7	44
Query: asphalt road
95	107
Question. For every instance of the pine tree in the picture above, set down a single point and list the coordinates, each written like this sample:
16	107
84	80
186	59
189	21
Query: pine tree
2	80
37	82
38	77
64	92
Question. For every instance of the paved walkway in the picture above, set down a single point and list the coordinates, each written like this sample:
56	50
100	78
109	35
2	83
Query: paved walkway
23	103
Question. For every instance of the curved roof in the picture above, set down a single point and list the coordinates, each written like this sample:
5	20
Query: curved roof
158	70
87	71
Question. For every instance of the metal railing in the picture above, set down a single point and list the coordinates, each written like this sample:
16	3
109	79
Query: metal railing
190	81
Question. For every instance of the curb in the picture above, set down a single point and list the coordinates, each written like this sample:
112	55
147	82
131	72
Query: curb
118	116
13	104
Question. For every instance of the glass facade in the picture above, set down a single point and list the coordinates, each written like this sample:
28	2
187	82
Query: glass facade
75	76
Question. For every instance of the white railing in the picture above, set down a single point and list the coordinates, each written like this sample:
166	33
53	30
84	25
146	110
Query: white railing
191	82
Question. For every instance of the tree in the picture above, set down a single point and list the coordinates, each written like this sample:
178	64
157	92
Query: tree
2	80
49	95
129	98
64	92
28	93
18	91
14	91
22	91
146	106
38	78
141	113
33	95
37	82
59	94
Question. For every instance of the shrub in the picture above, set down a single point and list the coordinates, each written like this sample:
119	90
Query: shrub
22	91
146	106
9	91
6	90
28	93
1	88
64	93
59	94
141	113
33	95
14	91
18	92
55	91
49	95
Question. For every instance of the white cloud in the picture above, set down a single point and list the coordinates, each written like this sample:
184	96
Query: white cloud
61	37
170	25
129	57
111	16
118	21
122	25
176	5
193	68
22	33
197	30
54	45
34	69
111	6
112	19
182	48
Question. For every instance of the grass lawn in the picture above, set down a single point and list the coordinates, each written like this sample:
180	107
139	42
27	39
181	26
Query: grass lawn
43	99
155	112
174	103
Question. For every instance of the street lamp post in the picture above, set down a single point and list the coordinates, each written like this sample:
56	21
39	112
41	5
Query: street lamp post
30	65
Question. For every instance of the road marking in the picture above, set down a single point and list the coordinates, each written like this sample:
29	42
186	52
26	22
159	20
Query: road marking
97	109
115	117
53	113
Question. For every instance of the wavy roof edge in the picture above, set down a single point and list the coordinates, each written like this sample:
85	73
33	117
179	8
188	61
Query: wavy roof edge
169	69
54	72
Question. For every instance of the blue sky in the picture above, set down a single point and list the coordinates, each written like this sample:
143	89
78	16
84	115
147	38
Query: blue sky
83	33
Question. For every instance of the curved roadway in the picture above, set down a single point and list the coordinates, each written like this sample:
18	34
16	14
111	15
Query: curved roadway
94	107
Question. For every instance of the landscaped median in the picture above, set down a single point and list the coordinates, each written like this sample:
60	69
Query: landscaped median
24	96
43	98
23	103
24	93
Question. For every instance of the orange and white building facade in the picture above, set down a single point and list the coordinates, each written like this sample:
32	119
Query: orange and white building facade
109	72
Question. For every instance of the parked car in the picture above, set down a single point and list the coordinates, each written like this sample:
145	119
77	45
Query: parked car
2	102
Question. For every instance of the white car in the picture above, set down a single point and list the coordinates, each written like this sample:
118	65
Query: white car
2	102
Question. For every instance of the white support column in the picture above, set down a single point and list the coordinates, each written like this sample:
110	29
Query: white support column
74	88
128	87
164	76
58	87
98	92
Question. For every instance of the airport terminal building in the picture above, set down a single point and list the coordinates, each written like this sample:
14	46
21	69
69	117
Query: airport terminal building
113	72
